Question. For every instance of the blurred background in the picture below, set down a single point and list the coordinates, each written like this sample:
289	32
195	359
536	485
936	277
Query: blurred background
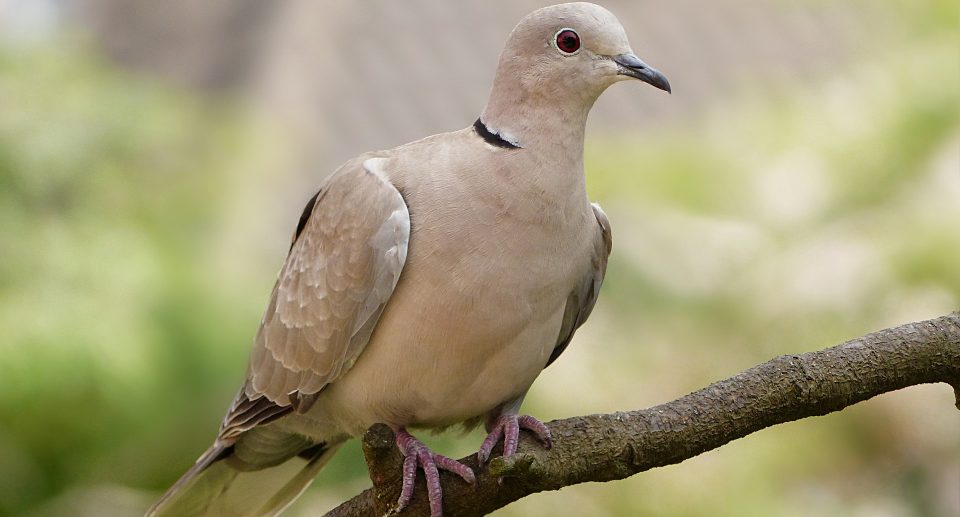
801	187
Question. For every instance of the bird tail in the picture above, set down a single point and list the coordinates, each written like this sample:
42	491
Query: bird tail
223	483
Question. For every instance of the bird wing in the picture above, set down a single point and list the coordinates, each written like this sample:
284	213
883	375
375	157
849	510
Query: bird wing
345	260
581	301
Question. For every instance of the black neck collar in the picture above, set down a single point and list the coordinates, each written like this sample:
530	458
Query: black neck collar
492	138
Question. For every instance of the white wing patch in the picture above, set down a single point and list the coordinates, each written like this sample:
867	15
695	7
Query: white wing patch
391	242
375	167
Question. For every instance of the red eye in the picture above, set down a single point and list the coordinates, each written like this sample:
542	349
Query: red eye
568	41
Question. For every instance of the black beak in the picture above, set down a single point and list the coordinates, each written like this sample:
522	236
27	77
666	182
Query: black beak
631	66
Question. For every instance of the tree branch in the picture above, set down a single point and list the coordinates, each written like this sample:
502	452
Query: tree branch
618	445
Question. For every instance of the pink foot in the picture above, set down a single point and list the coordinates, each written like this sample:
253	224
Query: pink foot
507	426
416	453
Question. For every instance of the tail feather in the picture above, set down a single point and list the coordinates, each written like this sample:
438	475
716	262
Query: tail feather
292	489
214	487
189	478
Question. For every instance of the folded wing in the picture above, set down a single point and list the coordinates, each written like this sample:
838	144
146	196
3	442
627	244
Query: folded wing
342	268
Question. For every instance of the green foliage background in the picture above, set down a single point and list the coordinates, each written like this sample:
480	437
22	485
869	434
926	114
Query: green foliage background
777	224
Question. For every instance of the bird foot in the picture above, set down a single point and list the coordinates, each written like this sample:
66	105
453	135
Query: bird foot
416	453
507	427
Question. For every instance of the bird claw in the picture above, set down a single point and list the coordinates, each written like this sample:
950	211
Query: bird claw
416	453
507	427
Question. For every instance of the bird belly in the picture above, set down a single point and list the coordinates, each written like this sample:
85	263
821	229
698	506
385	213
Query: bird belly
441	355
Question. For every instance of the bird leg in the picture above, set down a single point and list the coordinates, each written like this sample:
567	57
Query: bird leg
507	426
417	453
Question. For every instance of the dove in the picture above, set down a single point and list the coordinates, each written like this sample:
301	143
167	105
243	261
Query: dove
428	285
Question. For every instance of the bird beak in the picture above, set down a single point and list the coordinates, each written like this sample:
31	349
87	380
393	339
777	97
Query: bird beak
631	66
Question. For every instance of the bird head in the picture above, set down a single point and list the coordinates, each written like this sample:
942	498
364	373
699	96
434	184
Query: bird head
556	63
576	49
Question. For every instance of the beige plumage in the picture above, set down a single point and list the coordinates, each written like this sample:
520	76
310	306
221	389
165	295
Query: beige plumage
429	285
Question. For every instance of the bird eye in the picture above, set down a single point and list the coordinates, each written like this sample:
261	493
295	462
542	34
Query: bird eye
568	41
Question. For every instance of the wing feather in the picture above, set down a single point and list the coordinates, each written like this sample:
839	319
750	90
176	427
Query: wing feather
343	265
581	301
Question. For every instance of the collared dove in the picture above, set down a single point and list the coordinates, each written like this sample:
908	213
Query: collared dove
428	285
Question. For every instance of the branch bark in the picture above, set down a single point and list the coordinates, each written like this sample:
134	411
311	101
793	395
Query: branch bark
618	445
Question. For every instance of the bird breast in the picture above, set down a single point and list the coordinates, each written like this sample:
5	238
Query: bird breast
478	308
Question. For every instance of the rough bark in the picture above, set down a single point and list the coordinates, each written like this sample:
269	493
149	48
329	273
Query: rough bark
618	445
